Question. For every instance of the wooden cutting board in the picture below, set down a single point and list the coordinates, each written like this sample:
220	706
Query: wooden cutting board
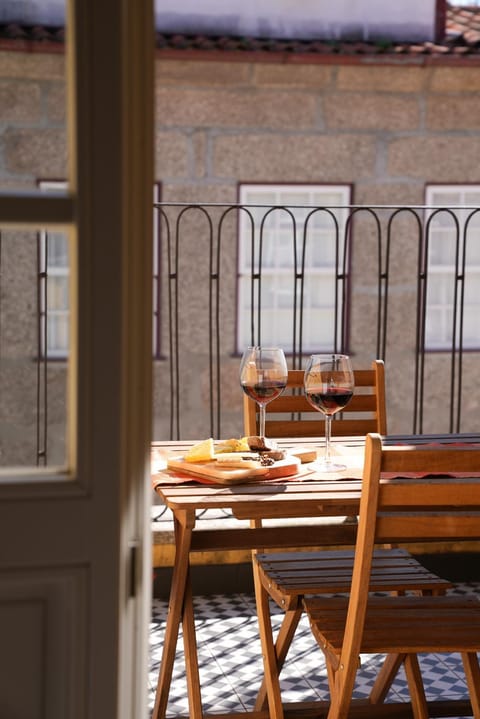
214	472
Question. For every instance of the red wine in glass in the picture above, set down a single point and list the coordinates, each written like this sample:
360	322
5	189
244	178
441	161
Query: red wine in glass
331	401
328	385
264	392
263	377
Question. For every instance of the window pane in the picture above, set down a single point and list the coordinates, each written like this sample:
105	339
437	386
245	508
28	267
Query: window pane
57	250
440	289
57	293
319	328
320	290
277	292
31	388
442	248
470	325
472	198
54	289
57	334
472	247
444	198
472	296
435	335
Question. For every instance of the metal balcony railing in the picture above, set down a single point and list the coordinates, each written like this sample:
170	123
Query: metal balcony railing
401	284
398	283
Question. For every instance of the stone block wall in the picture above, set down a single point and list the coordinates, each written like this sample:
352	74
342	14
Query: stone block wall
396	126
387	128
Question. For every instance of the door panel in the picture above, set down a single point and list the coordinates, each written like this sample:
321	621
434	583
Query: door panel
42	618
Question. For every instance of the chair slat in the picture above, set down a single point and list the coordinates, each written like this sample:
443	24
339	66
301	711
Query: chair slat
288	404
314	428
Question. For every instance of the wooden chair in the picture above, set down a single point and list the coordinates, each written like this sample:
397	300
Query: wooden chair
403	626
286	577
291	415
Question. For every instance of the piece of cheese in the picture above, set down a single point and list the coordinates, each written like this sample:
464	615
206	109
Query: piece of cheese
201	452
304	454
243	460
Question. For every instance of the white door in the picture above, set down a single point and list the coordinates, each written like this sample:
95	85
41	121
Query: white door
74	542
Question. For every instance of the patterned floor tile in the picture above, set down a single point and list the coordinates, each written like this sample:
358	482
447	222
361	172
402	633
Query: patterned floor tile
231	667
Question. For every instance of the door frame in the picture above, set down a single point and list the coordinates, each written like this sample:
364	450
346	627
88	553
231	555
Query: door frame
89	568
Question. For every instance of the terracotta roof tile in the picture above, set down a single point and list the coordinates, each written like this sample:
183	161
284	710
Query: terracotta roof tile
463	23
32	33
461	38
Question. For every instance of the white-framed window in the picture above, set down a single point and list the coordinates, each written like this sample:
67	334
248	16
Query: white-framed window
54	272
451	247
301	224
156	317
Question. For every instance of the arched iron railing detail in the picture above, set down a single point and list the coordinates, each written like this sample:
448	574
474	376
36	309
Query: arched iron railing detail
379	224
370	277
385	276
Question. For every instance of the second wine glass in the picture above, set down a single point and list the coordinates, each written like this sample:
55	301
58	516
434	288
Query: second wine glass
263	377
329	383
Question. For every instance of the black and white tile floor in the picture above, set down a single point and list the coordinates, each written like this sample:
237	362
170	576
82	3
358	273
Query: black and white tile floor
231	666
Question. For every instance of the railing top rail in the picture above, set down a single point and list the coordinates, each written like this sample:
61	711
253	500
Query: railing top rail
303	206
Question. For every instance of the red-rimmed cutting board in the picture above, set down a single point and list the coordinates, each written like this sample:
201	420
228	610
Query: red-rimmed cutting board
233	475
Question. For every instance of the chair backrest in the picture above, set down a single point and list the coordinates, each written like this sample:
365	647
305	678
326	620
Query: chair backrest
414	508
421	492
291	415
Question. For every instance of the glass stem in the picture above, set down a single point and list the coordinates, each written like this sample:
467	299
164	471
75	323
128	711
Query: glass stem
261	420
328	432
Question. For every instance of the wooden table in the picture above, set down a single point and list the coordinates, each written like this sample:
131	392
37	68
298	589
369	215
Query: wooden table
256	501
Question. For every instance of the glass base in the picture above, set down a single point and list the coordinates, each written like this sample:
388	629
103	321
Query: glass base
321	465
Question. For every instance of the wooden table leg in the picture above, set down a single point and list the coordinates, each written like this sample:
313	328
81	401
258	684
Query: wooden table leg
191	656
180	581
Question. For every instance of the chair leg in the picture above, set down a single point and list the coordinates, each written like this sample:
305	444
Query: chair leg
342	688
271	679
385	678
330	676
282	645
415	686
472	675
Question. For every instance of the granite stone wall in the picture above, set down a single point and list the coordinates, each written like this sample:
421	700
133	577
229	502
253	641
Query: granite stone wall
385	128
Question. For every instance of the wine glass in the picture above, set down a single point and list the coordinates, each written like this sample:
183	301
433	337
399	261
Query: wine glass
328	384
263	377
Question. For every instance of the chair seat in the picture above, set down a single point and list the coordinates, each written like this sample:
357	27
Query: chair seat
288	576
397	624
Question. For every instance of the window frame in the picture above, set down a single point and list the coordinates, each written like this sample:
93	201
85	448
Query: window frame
42	272
330	270
457	273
